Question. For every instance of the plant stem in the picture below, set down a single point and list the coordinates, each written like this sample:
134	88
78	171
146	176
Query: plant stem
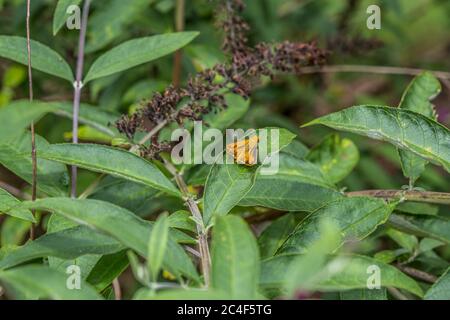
33	134
396	293
149	135
179	26
444	76
77	88
410	195
372	69
117	289
202	233
418	274
14	191
90	189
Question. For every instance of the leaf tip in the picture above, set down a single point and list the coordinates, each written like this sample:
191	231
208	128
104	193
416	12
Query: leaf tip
310	123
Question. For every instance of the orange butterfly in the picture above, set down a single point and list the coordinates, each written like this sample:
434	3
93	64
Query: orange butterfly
244	151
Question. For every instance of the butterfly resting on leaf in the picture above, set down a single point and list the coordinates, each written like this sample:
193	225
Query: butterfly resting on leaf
244	151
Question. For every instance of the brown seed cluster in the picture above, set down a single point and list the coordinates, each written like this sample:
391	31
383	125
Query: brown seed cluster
204	92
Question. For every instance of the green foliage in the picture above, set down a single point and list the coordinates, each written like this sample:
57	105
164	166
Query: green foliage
227	184
352	274
137	51
425	226
12	232
337	157
91	116
109	22
116	162
51	284
235	258
15	154
297	186
119	223
20	114
67	244
417	98
405	129
8	204
364	294
304	272
43	58
275	235
355	217
60	16
441	289
332	221
157	245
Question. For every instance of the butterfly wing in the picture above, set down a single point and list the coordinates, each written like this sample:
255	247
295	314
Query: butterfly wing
251	151
244	151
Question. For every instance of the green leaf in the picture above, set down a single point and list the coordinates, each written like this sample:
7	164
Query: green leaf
405	129
305	271
60	16
58	223
440	289
405	240
15	154
296	149
428	244
336	157
139	271
225	186
298	170
119	223
412	165
181	294
228	183
182	219
237	108
13	231
111	21
197	175
137	51
419	208
389	256
86	133
130	195
157	246
117	162
108	268
42	57
297	186
20	114
235	258
275	235
66	244
274	140
422	89
353	274
423	226
417	97
40	282
364	294
89	115
7	204
356	217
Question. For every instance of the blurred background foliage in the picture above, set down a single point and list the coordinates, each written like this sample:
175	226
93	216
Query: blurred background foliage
413	34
